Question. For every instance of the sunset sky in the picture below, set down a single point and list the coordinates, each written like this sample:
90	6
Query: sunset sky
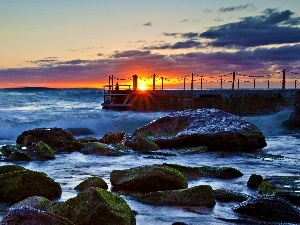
80	43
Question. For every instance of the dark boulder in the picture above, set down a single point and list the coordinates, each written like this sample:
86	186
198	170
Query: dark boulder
113	137
294	120
57	138
213	128
18	185
34	210
254	181
269	209
140	143
227	195
92	182
98	148
96	206
201	195
148	178
207	171
287	187
36	151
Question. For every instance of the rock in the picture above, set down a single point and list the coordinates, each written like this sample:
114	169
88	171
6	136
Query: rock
213	128
57	138
18	185
34	210
207	171
287	187
113	137
96	206
269	209
98	148
10	168
148	178
294	120
201	195
92	182
227	195
37	151
140	143
254	181
80	131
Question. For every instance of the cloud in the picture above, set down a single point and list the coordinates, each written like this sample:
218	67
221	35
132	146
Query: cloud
235	8
130	53
178	45
273	27
100	54
125	63
148	24
187	35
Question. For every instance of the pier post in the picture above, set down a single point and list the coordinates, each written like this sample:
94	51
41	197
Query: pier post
134	82
201	83
238	83
233	79
221	83
153	84
192	82
283	79
253	83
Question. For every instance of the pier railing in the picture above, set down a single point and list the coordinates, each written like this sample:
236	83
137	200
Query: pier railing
117	96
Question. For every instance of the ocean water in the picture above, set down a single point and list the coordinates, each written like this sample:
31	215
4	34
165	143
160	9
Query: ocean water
29	108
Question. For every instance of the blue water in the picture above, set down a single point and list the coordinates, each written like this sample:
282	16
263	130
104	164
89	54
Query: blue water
23	109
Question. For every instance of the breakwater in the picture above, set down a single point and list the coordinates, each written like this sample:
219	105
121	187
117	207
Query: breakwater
240	102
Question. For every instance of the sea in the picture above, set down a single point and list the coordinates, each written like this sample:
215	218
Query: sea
23	109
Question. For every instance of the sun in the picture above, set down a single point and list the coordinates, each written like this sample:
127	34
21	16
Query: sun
143	86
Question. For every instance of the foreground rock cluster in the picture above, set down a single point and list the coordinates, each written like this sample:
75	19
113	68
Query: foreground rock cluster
209	128
185	132
161	184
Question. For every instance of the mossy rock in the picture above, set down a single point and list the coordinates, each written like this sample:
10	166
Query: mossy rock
254	181
207	171
140	143
266	189
34	210
227	195
113	137
17	153
97	148
10	168
96	206
92	182
148	178
269	209
54	137
15	186
201	195
36	202
44	151
37	151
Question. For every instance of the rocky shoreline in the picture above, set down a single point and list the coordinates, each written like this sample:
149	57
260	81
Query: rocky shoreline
159	184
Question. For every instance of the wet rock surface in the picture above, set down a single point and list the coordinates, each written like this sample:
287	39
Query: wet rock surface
57	138
148	178
269	209
18	185
213	128
92	182
201	195
96	206
34	210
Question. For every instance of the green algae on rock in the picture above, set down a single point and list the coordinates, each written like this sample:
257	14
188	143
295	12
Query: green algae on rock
148	178
92	182
201	195
96	206
18	185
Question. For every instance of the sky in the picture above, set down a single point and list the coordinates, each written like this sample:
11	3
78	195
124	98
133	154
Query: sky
80	43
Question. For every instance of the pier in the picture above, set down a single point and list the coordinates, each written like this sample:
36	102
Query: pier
239	102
